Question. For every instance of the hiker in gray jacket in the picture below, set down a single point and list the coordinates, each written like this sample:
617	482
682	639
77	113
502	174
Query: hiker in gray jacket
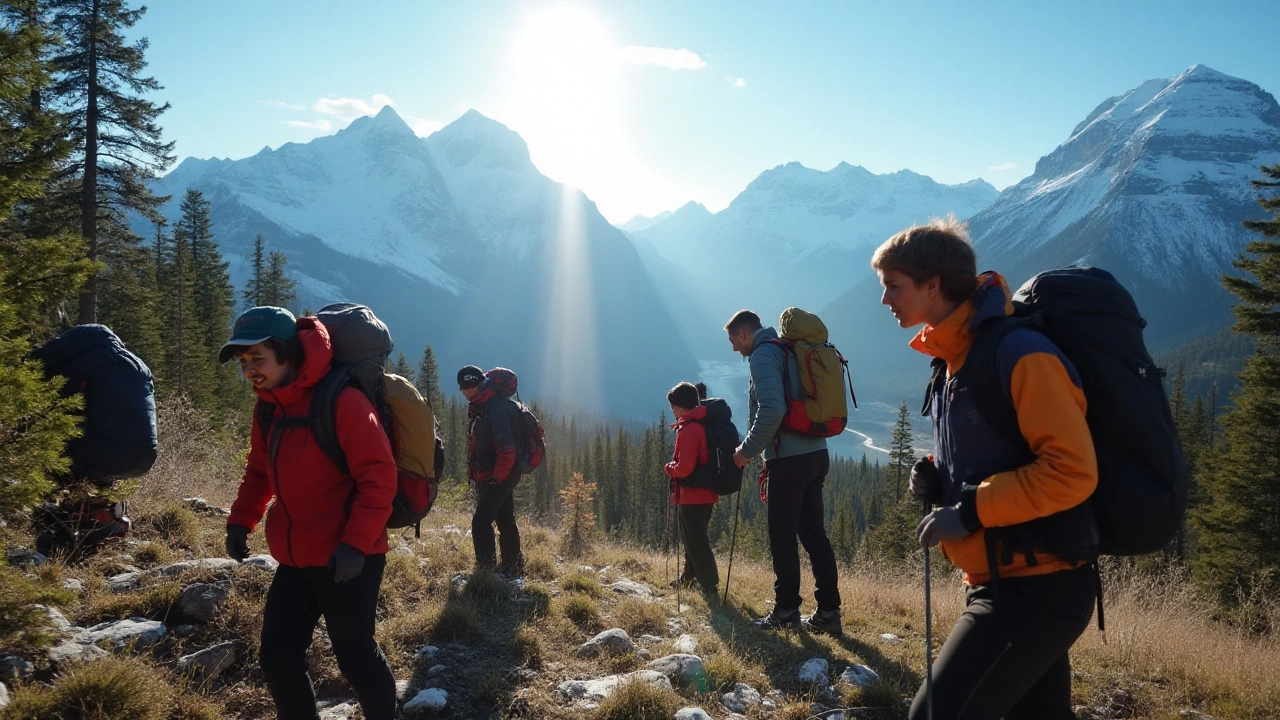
795	467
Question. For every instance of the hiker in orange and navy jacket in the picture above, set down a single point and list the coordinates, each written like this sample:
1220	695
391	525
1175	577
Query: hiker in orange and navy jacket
1012	510
693	505
327	528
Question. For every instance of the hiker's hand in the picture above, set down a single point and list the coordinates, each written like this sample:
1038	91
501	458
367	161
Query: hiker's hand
941	524
926	482
346	563
739	459
237	542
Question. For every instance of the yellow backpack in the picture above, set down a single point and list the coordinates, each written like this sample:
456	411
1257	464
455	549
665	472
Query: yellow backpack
821	409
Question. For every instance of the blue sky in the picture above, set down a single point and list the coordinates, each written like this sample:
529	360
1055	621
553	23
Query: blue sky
648	105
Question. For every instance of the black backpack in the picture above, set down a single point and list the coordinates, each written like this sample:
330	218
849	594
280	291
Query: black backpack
361	345
1142	478
720	472
118	437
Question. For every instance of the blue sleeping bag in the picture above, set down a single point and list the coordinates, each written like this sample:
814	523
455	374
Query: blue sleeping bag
119	427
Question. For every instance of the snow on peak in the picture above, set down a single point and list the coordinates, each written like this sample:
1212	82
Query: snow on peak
477	140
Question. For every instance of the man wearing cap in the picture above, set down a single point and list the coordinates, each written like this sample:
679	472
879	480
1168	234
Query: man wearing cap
326	528
491	464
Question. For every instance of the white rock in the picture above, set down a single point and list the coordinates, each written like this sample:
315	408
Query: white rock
136	631
436	670
186	630
56	619
814	671
649	639
425	653
735	716
73	584
73	652
4	696
203	601
681	668
610	642
692	713
217	566
632	588
686	644
15	667
429	699
890	638
125	581
210	662
341	711
266	562
644	654
200	505
859	676
601	688
742	698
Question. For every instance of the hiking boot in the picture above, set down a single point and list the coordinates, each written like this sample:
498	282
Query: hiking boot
824	622
780	620
682	583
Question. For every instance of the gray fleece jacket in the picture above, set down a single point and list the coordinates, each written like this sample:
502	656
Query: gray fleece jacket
767	405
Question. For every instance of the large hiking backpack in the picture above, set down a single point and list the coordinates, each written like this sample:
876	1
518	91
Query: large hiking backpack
820	410
720	473
118	433
531	441
361	345
1142	478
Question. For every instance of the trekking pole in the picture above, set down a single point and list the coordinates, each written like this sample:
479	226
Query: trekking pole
928	626
666	546
733	543
679	559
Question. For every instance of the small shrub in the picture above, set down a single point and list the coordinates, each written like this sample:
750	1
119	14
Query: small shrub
539	599
484	588
456	621
123	688
539	566
638	701
794	711
155	602
578	527
724	670
580	582
537	538
581	611
177	525
638	617
876	695
527	645
22	626
619	664
490	693
150	553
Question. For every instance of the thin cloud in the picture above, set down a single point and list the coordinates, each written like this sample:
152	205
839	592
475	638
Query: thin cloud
284	105
669	58
739	82
1003	167
351	108
422	127
321	125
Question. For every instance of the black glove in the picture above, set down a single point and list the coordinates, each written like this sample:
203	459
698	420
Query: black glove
926	481
941	524
237	542
346	563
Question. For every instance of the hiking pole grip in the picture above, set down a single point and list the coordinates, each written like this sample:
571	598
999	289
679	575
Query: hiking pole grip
928	623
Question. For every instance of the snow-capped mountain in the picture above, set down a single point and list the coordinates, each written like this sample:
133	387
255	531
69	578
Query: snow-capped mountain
817	227
1152	186
457	241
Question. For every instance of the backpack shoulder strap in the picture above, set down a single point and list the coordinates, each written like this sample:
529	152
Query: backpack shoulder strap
987	386
265	413
323	414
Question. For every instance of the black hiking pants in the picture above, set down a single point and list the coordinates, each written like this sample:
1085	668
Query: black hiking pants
1007	655
699	559
295	603
495	504
795	511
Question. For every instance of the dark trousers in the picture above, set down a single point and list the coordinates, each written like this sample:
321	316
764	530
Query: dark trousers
699	560
297	599
1007	655
795	511
494	504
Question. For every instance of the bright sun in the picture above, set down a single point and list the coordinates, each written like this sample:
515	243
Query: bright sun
565	99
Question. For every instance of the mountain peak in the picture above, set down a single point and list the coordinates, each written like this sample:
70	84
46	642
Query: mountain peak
476	139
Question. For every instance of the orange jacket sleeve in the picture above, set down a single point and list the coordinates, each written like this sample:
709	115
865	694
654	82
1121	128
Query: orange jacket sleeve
372	466
1051	417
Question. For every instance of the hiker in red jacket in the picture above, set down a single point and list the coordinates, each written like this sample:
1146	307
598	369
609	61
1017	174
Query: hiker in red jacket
694	505
327	529
492	465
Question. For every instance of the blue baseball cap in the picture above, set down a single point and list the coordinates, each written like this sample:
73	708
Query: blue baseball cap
257	325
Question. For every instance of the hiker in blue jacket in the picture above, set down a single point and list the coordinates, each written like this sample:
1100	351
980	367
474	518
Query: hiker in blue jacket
796	466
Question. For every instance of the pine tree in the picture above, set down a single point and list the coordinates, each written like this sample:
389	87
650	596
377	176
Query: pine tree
99	84
428	378
403	368
1239	525
579	522
187	360
35	421
277	288
214	294
253	287
901	454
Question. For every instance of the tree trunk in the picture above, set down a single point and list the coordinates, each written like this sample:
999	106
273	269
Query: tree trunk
89	205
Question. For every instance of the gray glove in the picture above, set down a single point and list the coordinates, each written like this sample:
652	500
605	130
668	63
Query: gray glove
237	542
941	524
346	563
926	481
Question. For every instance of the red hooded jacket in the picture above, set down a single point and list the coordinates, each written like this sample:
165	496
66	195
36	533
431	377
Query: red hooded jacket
315	505
690	452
